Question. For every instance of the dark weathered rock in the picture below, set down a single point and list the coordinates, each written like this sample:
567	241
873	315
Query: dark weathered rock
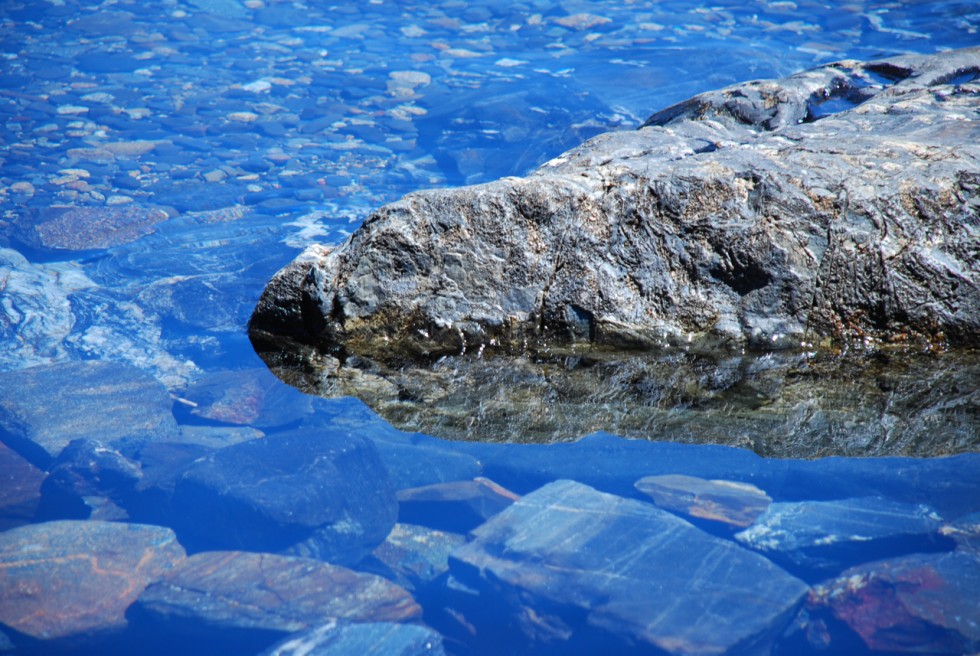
71	579
921	604
412	556
89	480
748	216
317	493
457	506
44	408
727	502
568	561
20	489
234	597
372	639
828	536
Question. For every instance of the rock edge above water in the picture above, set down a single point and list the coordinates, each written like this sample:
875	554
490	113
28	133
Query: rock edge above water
838	204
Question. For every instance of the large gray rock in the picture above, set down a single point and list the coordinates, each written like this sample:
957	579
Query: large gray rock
575	568
754	215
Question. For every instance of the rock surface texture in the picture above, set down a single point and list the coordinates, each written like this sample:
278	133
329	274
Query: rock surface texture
839	204
567	555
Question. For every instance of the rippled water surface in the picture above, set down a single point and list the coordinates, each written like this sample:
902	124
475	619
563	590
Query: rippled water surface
161	159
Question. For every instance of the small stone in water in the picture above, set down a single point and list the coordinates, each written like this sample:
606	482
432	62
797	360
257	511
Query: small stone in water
243	117
72	110
257	87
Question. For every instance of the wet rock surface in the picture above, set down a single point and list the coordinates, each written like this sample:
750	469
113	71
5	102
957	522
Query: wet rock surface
745	216
239	600
626	568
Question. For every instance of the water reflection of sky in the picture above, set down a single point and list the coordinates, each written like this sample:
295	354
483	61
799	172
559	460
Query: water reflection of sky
159	160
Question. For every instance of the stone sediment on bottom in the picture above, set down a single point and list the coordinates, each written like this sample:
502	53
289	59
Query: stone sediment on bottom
837	204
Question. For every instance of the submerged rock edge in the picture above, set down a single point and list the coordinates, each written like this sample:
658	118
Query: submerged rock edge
741	217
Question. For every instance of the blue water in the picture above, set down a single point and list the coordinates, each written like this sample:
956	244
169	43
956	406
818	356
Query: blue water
260	127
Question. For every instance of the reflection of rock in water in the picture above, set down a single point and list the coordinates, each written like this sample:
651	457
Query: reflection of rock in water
784	404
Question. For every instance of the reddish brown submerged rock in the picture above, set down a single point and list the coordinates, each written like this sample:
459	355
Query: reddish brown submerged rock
922	604
227	596
72	579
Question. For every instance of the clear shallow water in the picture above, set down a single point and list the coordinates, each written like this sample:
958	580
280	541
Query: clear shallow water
241	132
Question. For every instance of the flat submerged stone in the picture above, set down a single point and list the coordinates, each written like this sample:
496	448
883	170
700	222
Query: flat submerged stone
44	408
231	595
309	492
728	502
831	535
88	228
567	559
922	603
371	639
73	579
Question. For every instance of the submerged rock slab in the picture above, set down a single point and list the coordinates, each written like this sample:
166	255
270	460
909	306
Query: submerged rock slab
372	639
918	604
747	216
317	493
831	535
73	579
236	596
89	480
20	488
87	228
728	502
412	556
44	408
566	560
455	506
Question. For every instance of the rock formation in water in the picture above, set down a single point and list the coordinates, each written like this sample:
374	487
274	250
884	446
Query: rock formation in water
837	205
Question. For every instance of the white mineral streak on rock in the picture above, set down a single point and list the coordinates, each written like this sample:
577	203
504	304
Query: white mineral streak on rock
42	307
